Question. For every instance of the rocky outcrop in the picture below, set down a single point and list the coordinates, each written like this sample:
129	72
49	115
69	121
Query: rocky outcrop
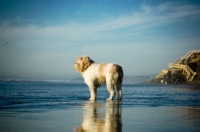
185	70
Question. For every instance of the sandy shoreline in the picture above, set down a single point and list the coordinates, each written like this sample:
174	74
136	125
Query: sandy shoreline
104	116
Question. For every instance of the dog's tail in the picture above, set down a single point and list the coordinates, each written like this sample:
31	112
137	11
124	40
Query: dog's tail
119	78
118	73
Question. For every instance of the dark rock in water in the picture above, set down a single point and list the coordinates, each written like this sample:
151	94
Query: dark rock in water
185	70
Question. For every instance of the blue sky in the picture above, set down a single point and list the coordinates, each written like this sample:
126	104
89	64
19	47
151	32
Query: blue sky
46	36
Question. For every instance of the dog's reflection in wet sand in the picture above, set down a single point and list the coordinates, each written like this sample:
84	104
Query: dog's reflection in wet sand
96	119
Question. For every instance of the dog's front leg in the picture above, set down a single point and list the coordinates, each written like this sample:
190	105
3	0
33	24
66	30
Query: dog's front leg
93	92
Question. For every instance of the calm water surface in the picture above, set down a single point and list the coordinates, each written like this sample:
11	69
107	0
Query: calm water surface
65	107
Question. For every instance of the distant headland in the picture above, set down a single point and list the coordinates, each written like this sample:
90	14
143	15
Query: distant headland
186	70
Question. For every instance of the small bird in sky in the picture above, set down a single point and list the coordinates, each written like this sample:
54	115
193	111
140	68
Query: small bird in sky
6	43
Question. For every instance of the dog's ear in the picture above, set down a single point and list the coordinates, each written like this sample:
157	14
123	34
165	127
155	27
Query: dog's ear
85	59
86	62
83	63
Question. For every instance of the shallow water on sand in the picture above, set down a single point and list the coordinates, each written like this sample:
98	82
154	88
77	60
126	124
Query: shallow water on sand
65	107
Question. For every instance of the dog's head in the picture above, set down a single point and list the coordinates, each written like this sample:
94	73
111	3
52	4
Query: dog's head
82	63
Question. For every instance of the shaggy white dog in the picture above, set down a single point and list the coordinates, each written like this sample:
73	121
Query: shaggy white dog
95	75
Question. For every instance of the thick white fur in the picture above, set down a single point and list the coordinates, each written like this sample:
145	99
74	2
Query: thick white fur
97	74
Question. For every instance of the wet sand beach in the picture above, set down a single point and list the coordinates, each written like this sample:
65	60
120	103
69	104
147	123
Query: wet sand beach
102	117
47	107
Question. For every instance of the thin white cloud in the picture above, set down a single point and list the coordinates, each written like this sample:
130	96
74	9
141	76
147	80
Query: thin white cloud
50	46
134	24
186	33
149	17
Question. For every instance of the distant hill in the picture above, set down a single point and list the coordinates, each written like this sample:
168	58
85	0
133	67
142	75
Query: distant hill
127	79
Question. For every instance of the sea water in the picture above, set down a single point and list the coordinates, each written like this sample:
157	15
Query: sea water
25	97
47	106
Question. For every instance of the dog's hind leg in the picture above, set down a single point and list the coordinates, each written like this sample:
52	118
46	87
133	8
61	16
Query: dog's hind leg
111	89
119	91
119	85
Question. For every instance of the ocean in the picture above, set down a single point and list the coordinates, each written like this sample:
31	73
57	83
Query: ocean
64	106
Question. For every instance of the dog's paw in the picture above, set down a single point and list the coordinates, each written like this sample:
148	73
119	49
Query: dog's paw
92	99
119	99
109	99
